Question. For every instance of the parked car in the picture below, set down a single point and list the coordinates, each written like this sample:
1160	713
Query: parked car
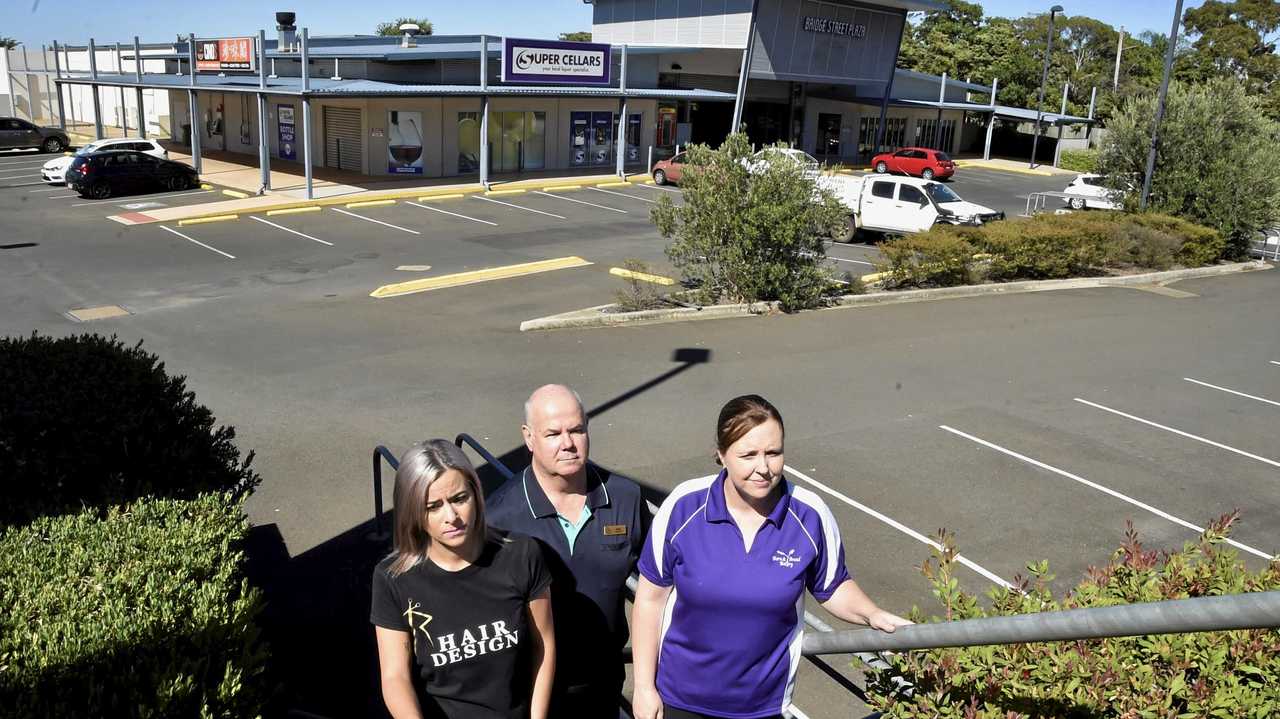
668	170
18	134
917	161
54	171
103	174
898	205
757	162
1089	191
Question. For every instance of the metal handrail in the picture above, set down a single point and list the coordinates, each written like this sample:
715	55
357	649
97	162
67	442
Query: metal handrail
1254	610
380	453
471	442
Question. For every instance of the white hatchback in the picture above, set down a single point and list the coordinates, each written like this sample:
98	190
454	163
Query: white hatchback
54	171
1089	192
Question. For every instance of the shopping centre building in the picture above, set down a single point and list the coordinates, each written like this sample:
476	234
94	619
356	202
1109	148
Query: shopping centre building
820	75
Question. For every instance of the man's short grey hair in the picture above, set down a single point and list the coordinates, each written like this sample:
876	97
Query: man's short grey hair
528	403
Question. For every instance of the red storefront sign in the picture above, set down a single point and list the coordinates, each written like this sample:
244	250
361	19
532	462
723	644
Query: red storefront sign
226	54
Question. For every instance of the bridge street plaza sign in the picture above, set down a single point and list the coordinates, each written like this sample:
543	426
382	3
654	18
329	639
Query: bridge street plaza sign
555	62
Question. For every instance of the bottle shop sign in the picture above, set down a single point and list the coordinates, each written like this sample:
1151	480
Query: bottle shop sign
556	62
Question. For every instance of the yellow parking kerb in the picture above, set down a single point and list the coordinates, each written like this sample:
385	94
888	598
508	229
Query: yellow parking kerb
504	192
371	203
451	196
235	193
613	184
561	188
475	276
293	210
203	220
641	276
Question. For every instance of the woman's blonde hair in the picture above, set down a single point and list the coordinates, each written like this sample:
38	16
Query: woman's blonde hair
420	465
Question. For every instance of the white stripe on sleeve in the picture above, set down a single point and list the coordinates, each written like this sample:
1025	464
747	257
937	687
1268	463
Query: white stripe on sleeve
830	531
661	521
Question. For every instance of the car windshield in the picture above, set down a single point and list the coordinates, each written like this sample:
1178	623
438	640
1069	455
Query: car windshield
943	157
941	194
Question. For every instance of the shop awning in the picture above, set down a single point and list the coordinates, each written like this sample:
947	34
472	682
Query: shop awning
326	87
1003	112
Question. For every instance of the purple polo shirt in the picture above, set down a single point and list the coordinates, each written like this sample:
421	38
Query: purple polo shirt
731	633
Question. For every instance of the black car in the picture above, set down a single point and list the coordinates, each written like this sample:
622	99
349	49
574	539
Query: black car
17	134
102	174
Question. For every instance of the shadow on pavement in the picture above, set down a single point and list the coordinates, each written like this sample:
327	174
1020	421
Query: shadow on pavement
324	657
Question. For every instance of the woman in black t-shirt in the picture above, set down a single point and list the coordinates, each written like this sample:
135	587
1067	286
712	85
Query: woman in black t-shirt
463	616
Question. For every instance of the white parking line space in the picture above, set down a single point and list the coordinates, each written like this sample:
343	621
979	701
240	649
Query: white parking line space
856	262
895	524
198	242
622	194
120	202
286	229
1093	485
379	222
580	202
61	197
21	176
659	187
15	168
1179	432
48	189
1232	391
452	214
518	207
1274	362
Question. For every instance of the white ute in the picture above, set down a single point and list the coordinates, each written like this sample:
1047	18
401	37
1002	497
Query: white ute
900	205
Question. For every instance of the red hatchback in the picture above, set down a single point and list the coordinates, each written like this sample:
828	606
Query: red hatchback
918	161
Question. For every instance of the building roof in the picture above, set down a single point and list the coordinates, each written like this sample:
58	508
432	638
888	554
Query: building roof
326	87
1002	111
951	81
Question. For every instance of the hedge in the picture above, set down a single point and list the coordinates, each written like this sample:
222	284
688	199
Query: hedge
1207	674
1079	160
86	421
1048	247
141	613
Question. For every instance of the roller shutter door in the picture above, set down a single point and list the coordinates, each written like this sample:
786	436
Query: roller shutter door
342	138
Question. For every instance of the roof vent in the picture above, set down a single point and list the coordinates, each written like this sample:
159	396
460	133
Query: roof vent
287	37
409	30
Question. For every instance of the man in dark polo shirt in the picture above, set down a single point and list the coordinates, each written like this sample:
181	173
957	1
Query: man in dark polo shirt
592	526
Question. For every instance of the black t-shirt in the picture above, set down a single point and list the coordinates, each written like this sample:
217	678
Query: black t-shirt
470	630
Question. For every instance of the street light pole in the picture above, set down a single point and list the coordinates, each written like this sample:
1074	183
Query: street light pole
1044	78
1164	91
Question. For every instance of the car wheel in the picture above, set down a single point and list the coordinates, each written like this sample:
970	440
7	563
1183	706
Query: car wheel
927	174
847	231
1077	203
99	191
881	167
52	144
659	177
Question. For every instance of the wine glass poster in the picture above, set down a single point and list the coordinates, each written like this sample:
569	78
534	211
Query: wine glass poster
404	142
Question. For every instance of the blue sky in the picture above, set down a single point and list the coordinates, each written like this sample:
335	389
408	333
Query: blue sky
37	22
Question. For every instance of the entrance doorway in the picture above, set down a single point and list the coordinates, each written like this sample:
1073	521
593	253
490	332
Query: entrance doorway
828	134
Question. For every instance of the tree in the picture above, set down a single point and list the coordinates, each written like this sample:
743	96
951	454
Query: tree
580	36
9	43
749	236
1210	164
1239	39
945	41
393	27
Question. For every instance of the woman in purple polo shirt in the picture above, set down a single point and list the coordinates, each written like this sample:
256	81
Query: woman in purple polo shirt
718	618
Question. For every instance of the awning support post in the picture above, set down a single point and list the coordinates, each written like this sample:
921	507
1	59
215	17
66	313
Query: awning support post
97	102
193	104
1057	151
124	106
937	128
484	112
264	146
57	72
740	98
888	92
137	74
306	115
991	124
620	147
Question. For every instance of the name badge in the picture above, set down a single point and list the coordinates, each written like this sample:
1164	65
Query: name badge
614	530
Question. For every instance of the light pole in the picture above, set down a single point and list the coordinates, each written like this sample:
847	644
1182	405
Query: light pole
1044	78
1164	91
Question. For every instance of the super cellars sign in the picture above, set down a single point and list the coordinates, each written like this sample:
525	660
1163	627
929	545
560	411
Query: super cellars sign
550	61
828	26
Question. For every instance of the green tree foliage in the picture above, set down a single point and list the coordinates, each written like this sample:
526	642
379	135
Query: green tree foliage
393	27
579	36
8	43
1207	674
1238	39
749	235
1210	166
946	41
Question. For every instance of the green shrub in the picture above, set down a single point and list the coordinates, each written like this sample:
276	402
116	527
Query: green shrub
940	257
744	236
1049	246
637	294
87	421
141	613
1208	674
1078	160
1199	245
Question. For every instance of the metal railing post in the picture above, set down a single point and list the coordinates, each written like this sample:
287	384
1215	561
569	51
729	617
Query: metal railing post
97	102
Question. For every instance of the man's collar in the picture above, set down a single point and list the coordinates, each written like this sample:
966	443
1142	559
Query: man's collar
718	510
540	505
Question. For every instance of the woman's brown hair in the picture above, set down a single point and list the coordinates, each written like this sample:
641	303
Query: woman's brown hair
741	415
